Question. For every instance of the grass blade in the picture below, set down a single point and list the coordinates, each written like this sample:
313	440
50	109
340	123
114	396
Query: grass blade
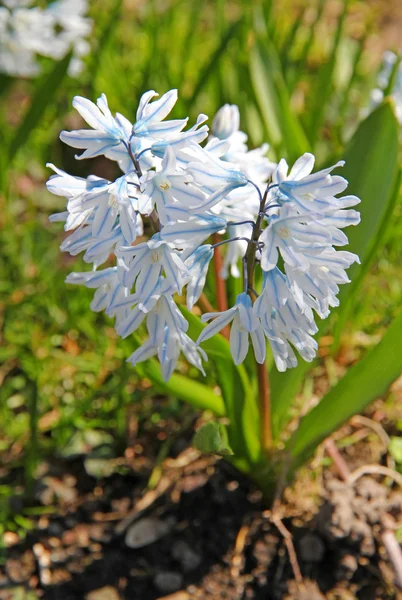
211	65
284	130
43	97
325	82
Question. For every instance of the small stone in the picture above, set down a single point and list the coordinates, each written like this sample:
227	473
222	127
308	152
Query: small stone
168	581
146	532
45	576
186	556
21	569
69	537
311	548
59	555
105	593
55	529
10	539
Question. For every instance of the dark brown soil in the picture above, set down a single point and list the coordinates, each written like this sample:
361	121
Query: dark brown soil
212	538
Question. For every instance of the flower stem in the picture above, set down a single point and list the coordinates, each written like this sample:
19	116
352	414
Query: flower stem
262	370
221	296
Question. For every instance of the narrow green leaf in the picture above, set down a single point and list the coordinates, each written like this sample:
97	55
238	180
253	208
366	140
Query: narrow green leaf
284	387
213	62
193	15
302	66
288	43
42	98
325	82
195	393
283	128
393	77
103	39
363	383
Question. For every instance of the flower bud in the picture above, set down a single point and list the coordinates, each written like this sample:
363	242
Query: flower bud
226	121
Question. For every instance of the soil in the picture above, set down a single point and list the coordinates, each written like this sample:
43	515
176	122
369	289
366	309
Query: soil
202	533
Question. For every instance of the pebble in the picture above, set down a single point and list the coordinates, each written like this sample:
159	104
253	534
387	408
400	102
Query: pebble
311	548
10	538
186	556
168	581
146	532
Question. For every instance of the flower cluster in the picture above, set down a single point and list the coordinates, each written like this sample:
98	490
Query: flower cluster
182	185
391	68
28	31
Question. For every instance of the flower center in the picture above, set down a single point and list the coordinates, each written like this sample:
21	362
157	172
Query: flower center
284	232
163	183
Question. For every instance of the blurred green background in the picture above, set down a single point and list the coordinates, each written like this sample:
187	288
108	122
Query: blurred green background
301	73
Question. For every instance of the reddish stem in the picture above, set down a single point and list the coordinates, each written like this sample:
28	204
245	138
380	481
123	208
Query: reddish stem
205	304
221	296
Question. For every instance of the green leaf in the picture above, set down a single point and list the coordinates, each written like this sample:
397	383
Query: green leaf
210	67
195	393
240	402
283	128
325	87
363	383
302	62
372	169
103	40
284	387
42	98
212	438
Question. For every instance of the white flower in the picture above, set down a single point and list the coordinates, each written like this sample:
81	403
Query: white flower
193	232
317	288
244	323
26	32
183	139
283	321
104	201
310	192
108	133
167	188
97	249
150	116
292	236
188	193
144	263
197	264
110	295
167	330
217	177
